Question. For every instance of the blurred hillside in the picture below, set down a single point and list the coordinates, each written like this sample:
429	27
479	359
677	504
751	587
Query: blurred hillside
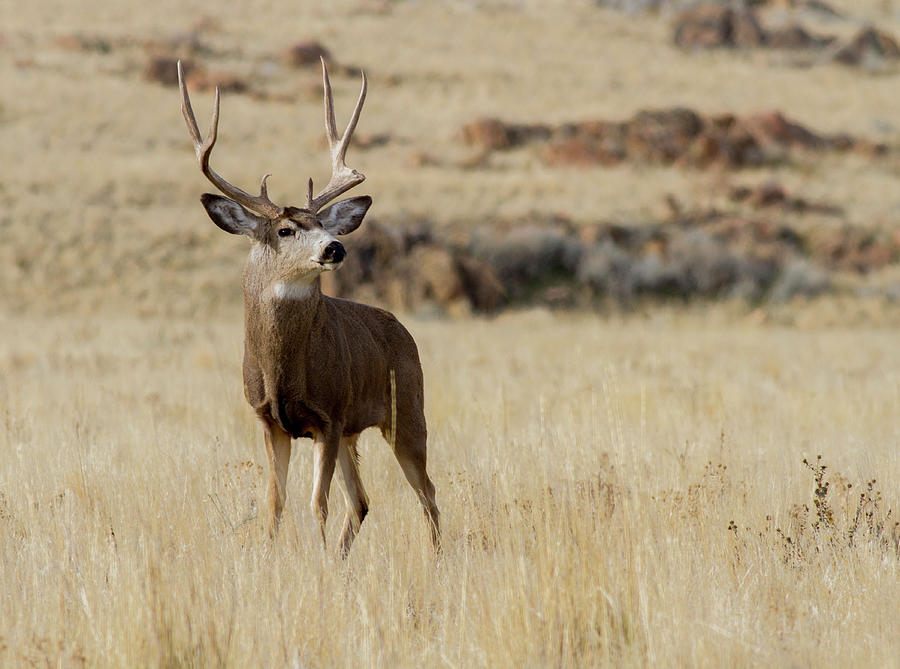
570	153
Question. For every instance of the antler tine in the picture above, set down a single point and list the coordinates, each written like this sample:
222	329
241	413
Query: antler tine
261	203
187	111
330	125
343	178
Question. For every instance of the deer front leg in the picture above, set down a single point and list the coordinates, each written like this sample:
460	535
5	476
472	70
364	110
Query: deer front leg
354	493
278	448
326	446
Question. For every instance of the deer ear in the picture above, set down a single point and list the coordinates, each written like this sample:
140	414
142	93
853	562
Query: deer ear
230	216
345	216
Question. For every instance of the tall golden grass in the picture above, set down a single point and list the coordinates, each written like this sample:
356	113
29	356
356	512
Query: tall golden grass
614	492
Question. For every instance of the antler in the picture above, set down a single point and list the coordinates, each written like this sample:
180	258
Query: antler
343	178
261	204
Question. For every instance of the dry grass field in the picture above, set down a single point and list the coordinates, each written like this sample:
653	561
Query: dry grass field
617	488
613	493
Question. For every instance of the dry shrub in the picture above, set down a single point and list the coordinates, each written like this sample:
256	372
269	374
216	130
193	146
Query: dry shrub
797	37
718	25
483	288
435	277
800	279
633	6
603	492
842	518
854	249
838	518
869	47
525	256
406	268
586	503
714	25
694	264
696	255
235	488
770	193
82	43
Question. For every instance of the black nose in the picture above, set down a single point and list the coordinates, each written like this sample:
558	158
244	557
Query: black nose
334	252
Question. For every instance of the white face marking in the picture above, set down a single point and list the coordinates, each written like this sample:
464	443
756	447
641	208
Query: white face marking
257	252
288	266
319	239
292	291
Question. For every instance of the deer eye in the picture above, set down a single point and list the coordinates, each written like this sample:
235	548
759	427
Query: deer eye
285	232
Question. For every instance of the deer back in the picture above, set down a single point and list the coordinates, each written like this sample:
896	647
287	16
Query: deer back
312	363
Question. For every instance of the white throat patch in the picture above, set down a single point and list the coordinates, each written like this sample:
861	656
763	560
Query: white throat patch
292	291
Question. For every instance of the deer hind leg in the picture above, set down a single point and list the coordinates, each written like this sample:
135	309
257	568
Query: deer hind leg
410	450
326	447
354	493
278	449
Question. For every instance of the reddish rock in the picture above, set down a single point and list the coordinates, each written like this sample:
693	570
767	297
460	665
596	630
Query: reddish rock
874	257
489	133
226	82
493	134
768	194
661	136
774	128
164	70
746	32
665	136
705	151
305	54
576	152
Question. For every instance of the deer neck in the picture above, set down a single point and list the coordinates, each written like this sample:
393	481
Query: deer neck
290	292
278	310
298	301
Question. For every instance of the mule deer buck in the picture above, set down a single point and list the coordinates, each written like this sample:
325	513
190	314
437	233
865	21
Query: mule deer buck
316	366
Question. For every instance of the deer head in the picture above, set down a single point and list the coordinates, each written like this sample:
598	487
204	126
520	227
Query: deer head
298	243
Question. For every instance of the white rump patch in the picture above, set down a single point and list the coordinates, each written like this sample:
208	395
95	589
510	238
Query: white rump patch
292	291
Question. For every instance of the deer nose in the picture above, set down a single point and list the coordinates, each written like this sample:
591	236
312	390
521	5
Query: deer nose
334	252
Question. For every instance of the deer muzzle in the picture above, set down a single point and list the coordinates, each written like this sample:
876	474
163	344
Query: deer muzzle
332	255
